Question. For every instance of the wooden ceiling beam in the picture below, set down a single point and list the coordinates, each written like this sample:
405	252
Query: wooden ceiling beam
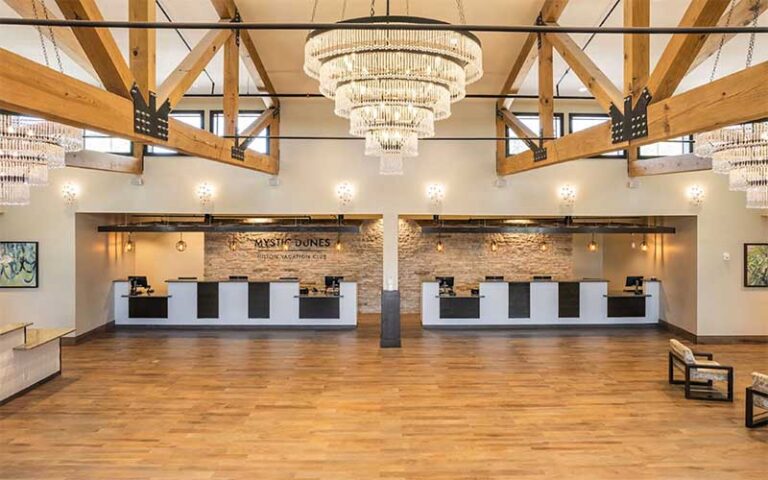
256	68
516	125
64	37
33	89
672	164
598	83
637	59
143	46
743	14
736	98
258	125
546	88
184	75
550	12
231	89
99	46
681	51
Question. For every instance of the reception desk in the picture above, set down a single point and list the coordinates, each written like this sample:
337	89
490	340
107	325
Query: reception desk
578	302
236	303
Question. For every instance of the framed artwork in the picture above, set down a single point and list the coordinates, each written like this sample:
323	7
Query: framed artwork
19	265
756	265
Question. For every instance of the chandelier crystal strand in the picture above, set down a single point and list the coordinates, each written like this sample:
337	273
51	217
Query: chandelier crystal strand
29	147
393	85
740	151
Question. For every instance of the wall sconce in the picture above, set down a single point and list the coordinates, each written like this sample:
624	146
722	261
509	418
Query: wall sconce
567	194
204	193
345	192
181	245
130	245
592	246
436	193
695	194
70	192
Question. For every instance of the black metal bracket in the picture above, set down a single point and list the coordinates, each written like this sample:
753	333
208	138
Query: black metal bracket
241	145
237	19
632	123
147	118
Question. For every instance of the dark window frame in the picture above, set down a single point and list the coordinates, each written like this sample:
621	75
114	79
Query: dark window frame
508	131
149	153
577	115
212	115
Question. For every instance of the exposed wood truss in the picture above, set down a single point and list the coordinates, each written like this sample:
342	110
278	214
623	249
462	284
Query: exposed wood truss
550	12
647	102
739	97
227	9
29	88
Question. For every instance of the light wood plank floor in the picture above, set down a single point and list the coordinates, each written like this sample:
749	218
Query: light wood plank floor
332	405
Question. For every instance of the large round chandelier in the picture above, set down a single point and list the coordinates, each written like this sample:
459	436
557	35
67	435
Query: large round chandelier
393	85
739	151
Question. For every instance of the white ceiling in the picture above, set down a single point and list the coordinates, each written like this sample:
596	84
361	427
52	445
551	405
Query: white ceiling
282	51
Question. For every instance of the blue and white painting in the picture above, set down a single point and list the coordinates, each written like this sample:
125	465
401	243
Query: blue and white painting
18	265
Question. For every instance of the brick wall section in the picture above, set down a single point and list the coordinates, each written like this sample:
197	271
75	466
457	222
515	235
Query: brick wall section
468	258
360	259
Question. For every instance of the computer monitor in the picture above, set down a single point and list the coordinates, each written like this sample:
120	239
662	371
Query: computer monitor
332	282
542	277
634	282
238	277
138	281
494	278
445	282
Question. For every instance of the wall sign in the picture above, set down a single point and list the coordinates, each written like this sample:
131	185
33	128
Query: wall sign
306	244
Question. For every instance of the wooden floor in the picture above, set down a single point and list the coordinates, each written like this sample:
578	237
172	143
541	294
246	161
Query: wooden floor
332	405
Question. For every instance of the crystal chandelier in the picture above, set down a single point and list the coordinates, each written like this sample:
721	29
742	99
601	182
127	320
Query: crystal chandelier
29	147
393	85
739	151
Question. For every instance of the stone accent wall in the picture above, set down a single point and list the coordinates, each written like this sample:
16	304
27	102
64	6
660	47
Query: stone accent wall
468	258
360	259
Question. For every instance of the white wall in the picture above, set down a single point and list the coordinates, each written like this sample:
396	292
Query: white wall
99	259
310	171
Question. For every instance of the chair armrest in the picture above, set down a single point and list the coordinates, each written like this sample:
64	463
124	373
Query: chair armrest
757	392
707	355
710	367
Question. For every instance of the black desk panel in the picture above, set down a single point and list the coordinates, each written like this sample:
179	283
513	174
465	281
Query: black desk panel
569	299
258	300
319	307
626	306
459	307
208	300
519	300
148	307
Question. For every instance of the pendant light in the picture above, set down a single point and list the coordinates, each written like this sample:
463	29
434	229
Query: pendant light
543	247
592	246
232	244
130	245
181	245
440	247
644	244
494	246
633	243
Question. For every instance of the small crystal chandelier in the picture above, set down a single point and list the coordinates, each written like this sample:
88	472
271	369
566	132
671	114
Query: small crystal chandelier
393	85
29	147
740	151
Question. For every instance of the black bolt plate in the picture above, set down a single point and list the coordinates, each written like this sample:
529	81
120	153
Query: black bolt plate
632	123
147	119
238	153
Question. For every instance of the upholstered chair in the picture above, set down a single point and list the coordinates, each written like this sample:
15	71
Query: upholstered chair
701	372
756	413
